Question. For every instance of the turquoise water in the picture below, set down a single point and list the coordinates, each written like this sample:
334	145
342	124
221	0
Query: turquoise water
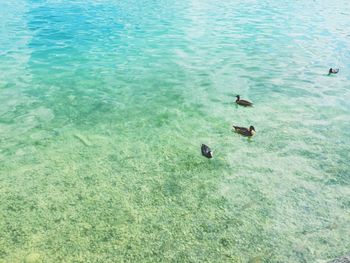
104	106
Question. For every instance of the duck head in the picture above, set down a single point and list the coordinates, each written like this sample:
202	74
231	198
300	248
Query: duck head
238	98
252	129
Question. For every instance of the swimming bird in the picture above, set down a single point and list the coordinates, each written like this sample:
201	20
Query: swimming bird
244	131
206	151
244	103
333	71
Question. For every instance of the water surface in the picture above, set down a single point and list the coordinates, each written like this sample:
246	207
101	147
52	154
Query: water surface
104	106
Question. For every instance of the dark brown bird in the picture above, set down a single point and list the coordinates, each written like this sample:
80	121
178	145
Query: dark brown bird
244	103
333	71
244	131
206	151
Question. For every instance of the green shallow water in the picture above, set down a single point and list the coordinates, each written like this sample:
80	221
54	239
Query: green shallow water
104	106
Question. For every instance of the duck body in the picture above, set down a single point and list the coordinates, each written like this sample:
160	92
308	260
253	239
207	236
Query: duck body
245	131
206	152
333	71
244	103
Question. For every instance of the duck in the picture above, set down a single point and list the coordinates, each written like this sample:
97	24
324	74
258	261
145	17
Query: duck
206	152
245	131
244	103
333	71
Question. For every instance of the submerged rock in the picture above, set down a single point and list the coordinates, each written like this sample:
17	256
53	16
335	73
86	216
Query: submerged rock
345	259
82	139
255	260
32	258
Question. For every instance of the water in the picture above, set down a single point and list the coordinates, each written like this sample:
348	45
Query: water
104	106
